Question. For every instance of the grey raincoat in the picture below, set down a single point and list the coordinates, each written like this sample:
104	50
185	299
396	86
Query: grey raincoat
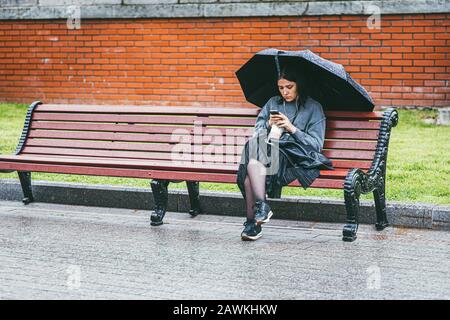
300	154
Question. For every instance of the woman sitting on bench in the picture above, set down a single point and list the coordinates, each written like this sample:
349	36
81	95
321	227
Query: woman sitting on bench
287	143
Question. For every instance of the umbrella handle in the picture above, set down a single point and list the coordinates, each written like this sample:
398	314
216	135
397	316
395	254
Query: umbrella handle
277	63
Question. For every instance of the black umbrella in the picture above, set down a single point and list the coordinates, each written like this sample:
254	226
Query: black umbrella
328	82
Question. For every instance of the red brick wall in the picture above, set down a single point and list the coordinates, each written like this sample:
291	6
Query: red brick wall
192	61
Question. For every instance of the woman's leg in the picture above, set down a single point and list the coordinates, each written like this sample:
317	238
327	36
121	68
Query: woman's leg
249	199
256	172
251	231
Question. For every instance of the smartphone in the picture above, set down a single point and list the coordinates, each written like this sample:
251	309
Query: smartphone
274	112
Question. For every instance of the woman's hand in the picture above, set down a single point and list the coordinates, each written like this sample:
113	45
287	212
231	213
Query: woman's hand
282	121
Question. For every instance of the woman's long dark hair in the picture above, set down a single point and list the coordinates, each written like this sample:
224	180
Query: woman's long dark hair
291	74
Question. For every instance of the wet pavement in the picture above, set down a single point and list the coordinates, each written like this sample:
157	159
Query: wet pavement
50	251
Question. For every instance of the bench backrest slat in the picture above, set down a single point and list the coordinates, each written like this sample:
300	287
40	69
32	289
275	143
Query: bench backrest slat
190	110
217	157
117	154
376	115
136	128
147	119
251	112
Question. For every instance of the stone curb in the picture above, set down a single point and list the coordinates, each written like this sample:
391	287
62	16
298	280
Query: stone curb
417	215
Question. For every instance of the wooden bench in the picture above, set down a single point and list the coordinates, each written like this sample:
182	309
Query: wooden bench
192	144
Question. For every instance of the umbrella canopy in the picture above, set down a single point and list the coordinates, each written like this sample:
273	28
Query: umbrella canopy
328	82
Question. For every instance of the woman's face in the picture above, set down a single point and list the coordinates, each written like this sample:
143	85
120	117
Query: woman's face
288	89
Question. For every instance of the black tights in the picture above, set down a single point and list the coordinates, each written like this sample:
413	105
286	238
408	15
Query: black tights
255	185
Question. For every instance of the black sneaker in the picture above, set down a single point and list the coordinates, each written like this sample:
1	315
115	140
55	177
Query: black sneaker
251	231
157	216
195	212
262	212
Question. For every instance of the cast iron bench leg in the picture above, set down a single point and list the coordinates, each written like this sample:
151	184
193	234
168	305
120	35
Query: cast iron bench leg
194	197
390	120
25	182
380	206
352	192
160	195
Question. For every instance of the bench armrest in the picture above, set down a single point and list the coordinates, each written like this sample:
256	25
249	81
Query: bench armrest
390	120
26	127
376	175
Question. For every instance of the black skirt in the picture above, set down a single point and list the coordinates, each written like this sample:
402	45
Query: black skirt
285	162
